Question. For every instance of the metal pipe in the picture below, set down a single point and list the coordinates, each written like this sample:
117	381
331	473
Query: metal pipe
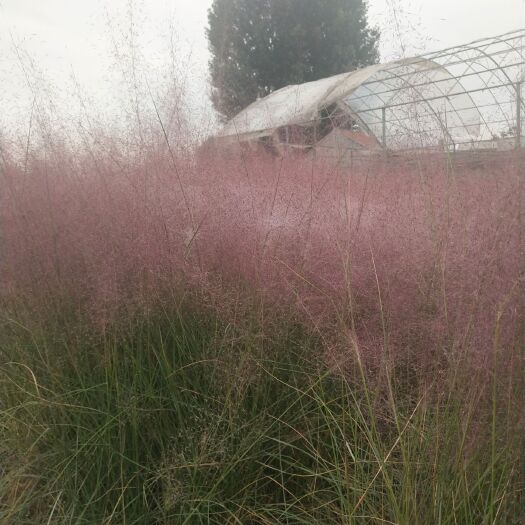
383	117
518	115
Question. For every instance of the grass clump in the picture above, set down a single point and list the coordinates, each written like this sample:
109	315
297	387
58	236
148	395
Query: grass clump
179	417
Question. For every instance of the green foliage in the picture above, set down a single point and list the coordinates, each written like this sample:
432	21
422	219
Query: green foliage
259	46
177	418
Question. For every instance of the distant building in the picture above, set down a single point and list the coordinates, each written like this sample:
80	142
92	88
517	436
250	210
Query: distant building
441	100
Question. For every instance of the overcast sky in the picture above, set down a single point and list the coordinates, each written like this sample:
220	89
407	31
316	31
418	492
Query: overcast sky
81	37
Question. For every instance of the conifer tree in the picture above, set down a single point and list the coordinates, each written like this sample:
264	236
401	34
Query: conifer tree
258	46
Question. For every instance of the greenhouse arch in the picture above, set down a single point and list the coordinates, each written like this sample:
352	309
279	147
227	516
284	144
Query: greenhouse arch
467	97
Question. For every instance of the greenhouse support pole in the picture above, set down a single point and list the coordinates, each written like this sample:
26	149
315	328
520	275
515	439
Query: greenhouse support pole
383	122
518	115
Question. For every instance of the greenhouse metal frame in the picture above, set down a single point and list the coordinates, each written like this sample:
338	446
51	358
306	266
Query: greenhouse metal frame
466	97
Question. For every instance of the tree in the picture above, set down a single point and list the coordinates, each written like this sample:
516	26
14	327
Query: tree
258	46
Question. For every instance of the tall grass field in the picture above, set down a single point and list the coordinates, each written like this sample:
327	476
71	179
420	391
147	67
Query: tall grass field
193	335
194	339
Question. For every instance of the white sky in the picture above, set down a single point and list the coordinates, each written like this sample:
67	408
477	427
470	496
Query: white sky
78	36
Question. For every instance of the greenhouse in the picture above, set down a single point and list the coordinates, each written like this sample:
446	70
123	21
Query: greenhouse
467	97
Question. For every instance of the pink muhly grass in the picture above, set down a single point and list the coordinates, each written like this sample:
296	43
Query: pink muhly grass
411	254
